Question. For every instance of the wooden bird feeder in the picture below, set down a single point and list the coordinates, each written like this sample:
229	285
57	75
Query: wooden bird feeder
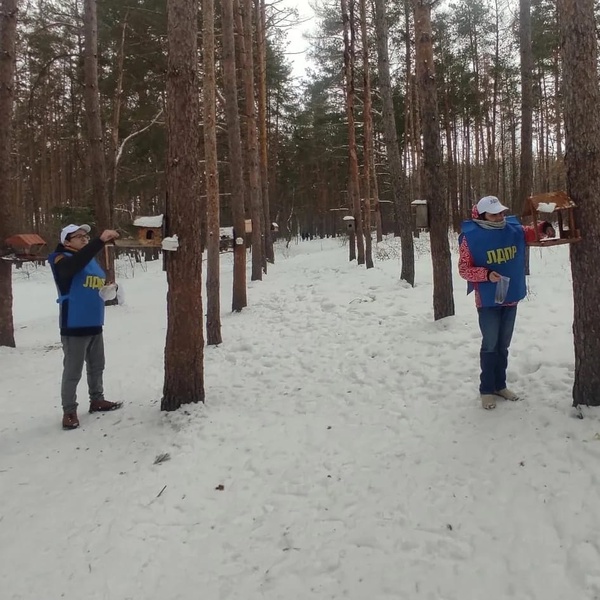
150	231
24	247
555	207
420	210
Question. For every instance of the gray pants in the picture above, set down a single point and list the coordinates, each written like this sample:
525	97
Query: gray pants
77	350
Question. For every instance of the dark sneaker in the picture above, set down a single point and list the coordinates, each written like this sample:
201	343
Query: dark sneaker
104	406
70	421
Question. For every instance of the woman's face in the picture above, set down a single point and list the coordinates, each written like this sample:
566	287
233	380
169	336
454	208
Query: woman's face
494	218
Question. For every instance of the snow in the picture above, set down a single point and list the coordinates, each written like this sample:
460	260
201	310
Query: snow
546	207
419	202
344	427
226	231
348	218
170	243
156	221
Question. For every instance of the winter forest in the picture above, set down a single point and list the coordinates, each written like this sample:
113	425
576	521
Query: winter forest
295	332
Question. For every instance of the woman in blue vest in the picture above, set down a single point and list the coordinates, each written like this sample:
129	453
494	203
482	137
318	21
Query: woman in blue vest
79	279
492	260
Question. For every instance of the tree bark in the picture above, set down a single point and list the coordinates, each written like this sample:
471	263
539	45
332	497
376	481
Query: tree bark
261	36
368	134
582	138
117	117
256	206
213	285
8	38
239	297
526	180
94	127
353	183
184	348
443	300
401	199
526	52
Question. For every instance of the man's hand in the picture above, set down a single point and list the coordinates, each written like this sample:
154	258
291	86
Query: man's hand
494	277
108	235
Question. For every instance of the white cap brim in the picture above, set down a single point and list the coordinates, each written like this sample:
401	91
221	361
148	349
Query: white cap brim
496	209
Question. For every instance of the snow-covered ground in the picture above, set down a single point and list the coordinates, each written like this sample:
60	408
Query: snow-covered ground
344	428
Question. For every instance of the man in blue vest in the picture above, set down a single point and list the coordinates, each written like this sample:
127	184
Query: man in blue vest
492	260
79	279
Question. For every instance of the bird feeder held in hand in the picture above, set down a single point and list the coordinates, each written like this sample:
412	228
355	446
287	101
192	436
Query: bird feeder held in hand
558	209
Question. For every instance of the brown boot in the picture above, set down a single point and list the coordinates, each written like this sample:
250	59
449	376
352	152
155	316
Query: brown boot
103	405
70	421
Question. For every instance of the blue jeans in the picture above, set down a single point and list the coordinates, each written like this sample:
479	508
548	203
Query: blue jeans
497	324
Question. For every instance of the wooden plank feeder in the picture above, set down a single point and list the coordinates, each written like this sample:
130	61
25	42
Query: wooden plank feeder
24	247
558	208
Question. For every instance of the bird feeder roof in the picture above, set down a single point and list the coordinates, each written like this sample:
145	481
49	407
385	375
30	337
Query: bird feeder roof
25	240
547	203
149	222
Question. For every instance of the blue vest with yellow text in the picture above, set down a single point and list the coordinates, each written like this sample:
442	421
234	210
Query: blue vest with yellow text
500	250
86	307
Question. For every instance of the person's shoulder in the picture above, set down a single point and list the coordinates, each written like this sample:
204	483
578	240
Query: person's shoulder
467	226
59	254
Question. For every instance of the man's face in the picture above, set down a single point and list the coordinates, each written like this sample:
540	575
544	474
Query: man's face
77	240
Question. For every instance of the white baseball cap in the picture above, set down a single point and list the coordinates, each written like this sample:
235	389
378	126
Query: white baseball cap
490	204
69	229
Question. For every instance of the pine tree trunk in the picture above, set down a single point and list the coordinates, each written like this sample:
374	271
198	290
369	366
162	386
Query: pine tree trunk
8	38
184	348
582	139
256	206
261	36
376	203
558	110
401	199
116	117
526	180
443	300
368	135
353	183
239	297
94	128
213	285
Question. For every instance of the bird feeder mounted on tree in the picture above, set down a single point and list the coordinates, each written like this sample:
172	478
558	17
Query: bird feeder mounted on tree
557	208
420	210
150	231
350	224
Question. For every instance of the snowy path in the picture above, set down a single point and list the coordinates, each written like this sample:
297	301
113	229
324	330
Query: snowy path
344	427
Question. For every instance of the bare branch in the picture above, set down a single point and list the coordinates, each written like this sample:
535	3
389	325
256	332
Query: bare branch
134	134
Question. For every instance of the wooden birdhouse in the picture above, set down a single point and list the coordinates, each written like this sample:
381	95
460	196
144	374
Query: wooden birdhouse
420	210
557	208
349	221
150	231
24	247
